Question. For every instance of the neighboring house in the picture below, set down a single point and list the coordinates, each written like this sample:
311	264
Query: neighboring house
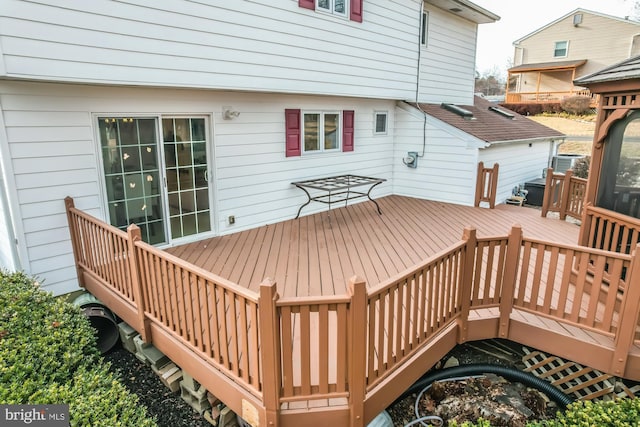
192	119
547	61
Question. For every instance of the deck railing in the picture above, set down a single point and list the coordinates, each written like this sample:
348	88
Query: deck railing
564	193
262	352
609	231
547	96
486	184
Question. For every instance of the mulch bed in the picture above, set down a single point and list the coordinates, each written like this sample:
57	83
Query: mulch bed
458	400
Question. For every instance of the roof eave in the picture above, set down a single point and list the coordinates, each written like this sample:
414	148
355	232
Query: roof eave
526	140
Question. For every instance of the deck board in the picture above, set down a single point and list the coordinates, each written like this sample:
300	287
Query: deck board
317	254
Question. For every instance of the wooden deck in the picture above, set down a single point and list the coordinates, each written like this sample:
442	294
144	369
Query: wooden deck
317	254
362	304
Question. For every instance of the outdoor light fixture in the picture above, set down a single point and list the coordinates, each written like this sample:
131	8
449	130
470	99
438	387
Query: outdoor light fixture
229	113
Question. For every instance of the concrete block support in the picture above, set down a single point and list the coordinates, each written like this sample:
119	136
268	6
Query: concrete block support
148	354
193	393
170	375
127	334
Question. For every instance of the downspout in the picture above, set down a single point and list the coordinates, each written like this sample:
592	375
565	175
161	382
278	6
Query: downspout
424	115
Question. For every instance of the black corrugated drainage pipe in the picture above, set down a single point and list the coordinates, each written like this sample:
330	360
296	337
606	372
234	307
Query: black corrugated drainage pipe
526	378
102	320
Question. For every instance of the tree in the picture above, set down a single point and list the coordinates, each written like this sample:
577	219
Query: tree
490	82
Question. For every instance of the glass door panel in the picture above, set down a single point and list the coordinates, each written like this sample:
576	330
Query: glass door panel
132	175
185	152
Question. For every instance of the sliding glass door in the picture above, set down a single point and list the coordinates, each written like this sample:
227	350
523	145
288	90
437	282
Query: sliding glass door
156	176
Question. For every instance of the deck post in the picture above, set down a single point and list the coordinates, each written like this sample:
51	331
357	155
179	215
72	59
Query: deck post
494	185
546	198
585	226
357	350
564	198
629	316
479	184
75	244
512	260
270	354
133	236
469	235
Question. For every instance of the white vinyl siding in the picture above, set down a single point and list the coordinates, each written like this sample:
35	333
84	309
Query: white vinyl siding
446	172
264	45
518	162
448	62
52	141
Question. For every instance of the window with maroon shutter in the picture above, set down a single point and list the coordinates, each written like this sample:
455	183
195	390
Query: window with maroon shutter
356	10
347	130
307	4
292	128
335	7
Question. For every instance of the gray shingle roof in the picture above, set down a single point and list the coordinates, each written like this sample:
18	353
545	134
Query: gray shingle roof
624	70
490	126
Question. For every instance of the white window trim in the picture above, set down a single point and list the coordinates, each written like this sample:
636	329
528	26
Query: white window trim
566	51
375	122
213	196
339	131
332	11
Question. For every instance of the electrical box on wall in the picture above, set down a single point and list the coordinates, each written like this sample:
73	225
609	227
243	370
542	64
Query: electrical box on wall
411	160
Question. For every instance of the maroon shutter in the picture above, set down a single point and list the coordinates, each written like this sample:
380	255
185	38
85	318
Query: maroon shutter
356	10
307	4
347	130
292	126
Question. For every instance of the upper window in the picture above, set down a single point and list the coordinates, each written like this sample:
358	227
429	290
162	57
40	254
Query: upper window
561	49
337	7
321	131
380	123
424	34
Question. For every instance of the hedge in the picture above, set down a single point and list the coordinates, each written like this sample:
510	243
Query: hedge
48	354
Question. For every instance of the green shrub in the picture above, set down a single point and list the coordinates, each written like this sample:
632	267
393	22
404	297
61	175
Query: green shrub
48	354
96	399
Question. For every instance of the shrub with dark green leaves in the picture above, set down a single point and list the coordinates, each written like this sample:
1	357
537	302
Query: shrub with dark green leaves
620	412
48	354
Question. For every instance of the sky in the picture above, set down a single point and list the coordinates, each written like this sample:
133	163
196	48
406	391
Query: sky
519	18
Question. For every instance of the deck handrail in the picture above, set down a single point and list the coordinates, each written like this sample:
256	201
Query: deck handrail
608	230
252	339
564	193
